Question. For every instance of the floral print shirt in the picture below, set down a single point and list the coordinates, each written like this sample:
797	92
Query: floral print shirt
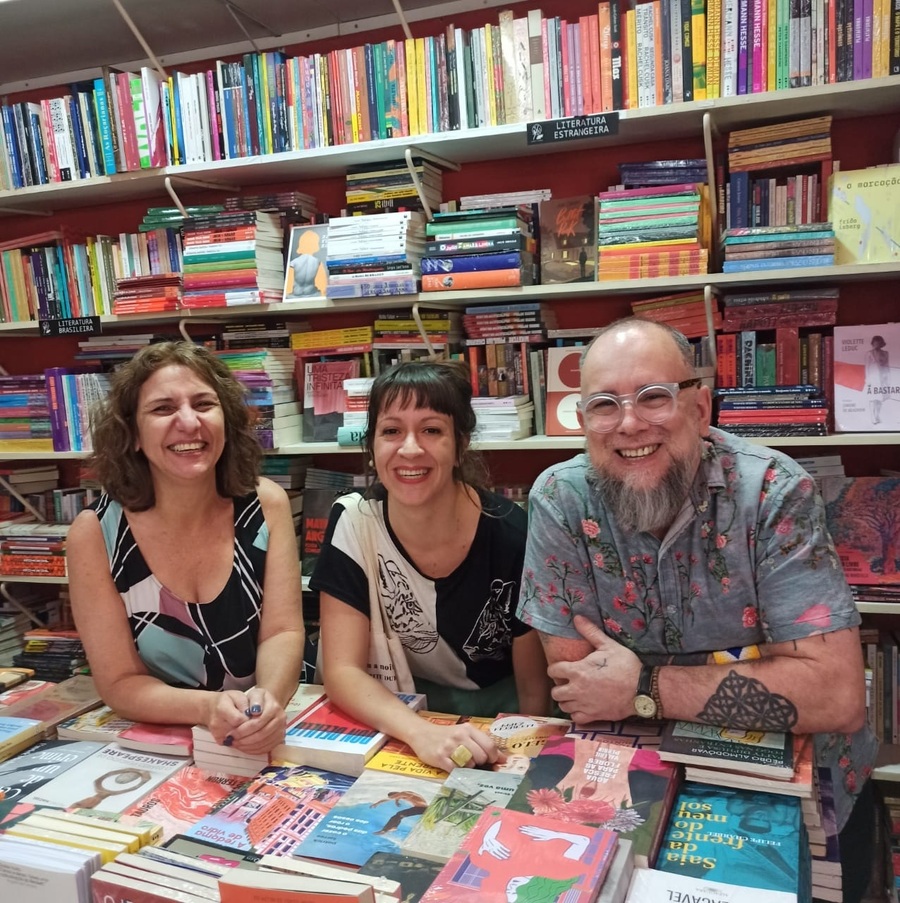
747	561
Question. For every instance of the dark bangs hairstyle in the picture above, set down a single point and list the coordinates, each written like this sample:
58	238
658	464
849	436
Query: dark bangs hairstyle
442	386
123	470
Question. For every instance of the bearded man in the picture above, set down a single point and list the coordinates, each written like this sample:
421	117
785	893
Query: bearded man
677	571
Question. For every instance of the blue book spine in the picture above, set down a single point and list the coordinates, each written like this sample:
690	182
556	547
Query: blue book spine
104	126
12	147
36	143
740	200
777	263
472	263
81	158
56	261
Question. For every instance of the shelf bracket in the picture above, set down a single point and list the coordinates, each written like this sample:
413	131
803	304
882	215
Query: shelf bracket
198	183
234	11
710	132
182	327
140	39
402	17
4	591
18	212
426	305
417	182
10	488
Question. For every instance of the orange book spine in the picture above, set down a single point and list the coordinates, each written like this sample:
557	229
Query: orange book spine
434	282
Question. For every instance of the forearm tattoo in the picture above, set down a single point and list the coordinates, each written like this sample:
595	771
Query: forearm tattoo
744	703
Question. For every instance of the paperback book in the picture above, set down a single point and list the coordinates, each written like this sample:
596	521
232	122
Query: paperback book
517	855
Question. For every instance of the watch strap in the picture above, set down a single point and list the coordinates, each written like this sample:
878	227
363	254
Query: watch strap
654	691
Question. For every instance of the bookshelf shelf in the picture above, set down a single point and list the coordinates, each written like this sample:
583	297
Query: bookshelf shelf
9	578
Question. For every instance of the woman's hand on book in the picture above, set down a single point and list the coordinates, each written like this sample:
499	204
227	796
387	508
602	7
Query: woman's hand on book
440	745
252	722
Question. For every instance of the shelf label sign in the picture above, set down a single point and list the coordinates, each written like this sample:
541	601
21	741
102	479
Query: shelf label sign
71	326
572	128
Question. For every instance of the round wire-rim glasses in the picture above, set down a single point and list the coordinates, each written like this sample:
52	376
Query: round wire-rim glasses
654	403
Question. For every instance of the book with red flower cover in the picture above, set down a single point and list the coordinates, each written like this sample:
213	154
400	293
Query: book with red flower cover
602	783
517	855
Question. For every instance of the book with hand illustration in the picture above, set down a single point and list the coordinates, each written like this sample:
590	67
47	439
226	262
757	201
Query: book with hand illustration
518	856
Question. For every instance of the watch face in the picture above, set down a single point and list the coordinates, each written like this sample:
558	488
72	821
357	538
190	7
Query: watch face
645	706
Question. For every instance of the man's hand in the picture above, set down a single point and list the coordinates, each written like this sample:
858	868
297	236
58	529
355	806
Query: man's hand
601	686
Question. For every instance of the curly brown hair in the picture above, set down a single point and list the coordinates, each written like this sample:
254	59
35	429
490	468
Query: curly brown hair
443	386
122	469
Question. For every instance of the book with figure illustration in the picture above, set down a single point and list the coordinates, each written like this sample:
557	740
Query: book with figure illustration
376	814
512	855
867	378
747	837
450	816
605	784
764	753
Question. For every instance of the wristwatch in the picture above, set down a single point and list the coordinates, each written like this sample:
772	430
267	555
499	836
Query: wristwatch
646	699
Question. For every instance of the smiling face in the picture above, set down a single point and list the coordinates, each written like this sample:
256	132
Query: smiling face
180	424
637	457
415	453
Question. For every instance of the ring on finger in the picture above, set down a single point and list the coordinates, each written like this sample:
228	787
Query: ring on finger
461	756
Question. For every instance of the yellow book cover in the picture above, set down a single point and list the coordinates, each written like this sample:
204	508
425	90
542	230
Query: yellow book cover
148	833
108	851
864	209
267	75
49	819
878	59
421	88
631	58
412	85
771	44
714	47
698	41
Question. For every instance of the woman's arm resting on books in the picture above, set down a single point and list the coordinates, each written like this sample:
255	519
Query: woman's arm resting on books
345	650
530	668
811	685
279	654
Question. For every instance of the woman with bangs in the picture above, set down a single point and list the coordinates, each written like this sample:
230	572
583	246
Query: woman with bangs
449	563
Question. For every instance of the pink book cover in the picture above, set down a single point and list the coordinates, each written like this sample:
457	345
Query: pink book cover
756	45
519	856
172	739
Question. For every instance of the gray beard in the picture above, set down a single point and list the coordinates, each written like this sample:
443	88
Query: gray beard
646	510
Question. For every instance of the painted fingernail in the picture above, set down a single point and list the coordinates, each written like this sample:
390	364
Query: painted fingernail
228	740
256	710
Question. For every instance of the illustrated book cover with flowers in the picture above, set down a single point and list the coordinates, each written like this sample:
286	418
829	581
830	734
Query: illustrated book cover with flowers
522	856
602	783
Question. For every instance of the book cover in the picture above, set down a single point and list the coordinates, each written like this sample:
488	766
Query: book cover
450	816
273	887
111	779
414	874
272	813
376	814
168	739
563	382
862	206
602	783
767	753
56	702
866	381
568	230
742	837
101	724
398	757
326	737
860	513
182	800
521	856
652	886
324	398
306	275
16	734
523	736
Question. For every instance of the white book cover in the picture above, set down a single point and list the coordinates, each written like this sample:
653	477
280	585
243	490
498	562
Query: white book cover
652	886
111	779
867	378
563	379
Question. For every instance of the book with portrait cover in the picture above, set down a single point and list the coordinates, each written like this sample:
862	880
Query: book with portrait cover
512	855
324	398
306	275
746	837
274	812
602	783
867	378
450	816
376	814
766	753
861	517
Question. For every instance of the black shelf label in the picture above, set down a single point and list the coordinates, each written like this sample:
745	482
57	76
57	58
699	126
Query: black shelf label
71	326
573	128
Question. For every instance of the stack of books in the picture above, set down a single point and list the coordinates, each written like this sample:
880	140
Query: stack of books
295	203
356	413
232	258
503	419
374	254
33	549
397	330
53	653
147	294
685	312
662	172
490	247
652	232
214	757
109	350
777	247
261	371
799	410
389	187
778	173
529	196
771	310
25	414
